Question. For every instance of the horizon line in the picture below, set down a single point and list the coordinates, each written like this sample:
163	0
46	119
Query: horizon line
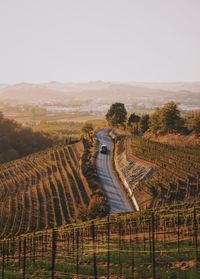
96	81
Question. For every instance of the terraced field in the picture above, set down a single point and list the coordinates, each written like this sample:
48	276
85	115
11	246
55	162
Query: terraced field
42	191
176	175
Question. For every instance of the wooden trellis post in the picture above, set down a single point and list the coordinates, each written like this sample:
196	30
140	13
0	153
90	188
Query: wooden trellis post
153	246
19	253
178	232
195	234
24	258
150	243
3	261
53	253
119	249
34	247
13	248
132	247
94	251
108	248
77	253
73	242
7	251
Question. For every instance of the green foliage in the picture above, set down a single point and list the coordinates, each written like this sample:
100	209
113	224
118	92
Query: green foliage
144	123
155	121
193	122
98	207
196	124
166	119
117	115
133	118
17	141
133	123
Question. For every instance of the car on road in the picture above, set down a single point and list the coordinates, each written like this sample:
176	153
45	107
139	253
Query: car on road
104	149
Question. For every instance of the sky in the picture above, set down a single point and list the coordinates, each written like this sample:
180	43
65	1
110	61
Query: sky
110	40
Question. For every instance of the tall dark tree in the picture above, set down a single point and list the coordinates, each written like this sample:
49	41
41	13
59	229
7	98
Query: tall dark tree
144	123
133	118
117	115
170	117
133	123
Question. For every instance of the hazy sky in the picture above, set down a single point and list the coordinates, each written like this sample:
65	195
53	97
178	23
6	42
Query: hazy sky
83	40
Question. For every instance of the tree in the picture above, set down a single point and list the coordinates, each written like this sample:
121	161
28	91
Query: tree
195	123
133	118
170	117
133	122
144	123
117	115
155	121
166	119
98	207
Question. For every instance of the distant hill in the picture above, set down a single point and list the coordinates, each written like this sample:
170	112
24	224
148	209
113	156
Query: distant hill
145	93
172	86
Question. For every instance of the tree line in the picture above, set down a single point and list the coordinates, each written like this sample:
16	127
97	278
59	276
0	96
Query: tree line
165	119
17	141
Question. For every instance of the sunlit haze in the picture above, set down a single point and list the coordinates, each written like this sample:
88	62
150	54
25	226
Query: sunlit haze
84	40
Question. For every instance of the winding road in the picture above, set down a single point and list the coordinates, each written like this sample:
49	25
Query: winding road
117	198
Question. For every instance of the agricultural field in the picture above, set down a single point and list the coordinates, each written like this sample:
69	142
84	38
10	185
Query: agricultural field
44	190
68	127
172	173
55	220
150	244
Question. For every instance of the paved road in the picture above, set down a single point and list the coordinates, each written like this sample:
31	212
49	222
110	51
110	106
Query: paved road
116	195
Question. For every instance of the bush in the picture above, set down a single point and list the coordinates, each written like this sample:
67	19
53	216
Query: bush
98	207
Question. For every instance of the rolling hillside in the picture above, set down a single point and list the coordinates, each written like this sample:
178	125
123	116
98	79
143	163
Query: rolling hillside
43	190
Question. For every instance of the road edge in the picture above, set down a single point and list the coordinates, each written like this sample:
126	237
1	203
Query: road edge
122	179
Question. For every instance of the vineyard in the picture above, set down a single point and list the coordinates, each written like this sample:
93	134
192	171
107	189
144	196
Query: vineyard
174	174
147	244
44	198
44	190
